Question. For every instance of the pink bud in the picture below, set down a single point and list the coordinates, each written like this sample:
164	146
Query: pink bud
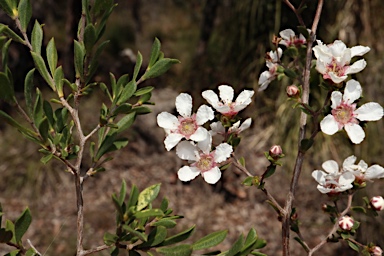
377	203
275	151
293	91
377	251
346	223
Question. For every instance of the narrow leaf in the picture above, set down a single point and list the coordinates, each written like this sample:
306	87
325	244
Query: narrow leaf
123	192
89	37
22	224
178	250
41	67
133	196
144	90
210	240
148	213
6	88
139	61
178	237
37	37
157	235
52	55
28	88
25	13
159	68
79	58
147	196
165	223
127	92
236	247
125	122
154	52
10	34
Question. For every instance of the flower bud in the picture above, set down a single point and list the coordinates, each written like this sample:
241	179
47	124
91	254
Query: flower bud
346	223
293	91
275	151
376	251
377	203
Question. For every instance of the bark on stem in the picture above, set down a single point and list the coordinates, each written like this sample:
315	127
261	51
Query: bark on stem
303	121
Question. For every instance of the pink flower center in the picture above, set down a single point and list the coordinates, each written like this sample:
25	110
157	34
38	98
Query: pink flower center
187	126
335	68
344	114
206	162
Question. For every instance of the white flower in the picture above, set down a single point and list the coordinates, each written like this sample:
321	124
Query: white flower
269	75
187	125
361	170
217	128
226	106
203	160
377	251
289	38
331	180
333	60
345	115
346	223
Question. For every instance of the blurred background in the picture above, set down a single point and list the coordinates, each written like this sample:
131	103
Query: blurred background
217	42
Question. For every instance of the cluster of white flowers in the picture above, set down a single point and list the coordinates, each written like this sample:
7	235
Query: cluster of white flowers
334	180
197	144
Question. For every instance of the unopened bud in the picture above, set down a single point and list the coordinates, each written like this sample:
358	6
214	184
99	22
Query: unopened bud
293	91
275	151
346	223
377	203
376	251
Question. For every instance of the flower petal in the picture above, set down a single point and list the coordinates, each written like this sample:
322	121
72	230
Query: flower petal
245	125
200	134
212	176
370	111
359	50
330	167
337	79
287	34
348	162
187	173
355	132
211	97
374	172
171	140
319	176
204	114
346	179
184	104
217	128
244	98
205	145
222	152
356	67
226	93
352	91
167	121
336	98
186	151
329	125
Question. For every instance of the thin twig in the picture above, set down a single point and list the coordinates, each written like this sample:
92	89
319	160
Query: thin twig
334	228
303	121
290	5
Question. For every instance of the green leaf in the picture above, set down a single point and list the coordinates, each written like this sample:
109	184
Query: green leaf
353	246
6	88
45	159
157	236
144	90
7	6
52	55
79	59
139	234
260	243
110	239
290	73
142	110
139	62
124	108
159	68
164	204
178	237
58	77
101	28
123	192
119	207
133	196
11	227
147	196
127	92
270	171
306	144
4	53
41	67
89	37
109	144
48	112
94	62
37	38
210	240
359	209
236	247
148	213
28	87
25	13
43	129
22	224
154	52
5	235
251	238
10	34
178	250
303	30
15	124
125	122
168	223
